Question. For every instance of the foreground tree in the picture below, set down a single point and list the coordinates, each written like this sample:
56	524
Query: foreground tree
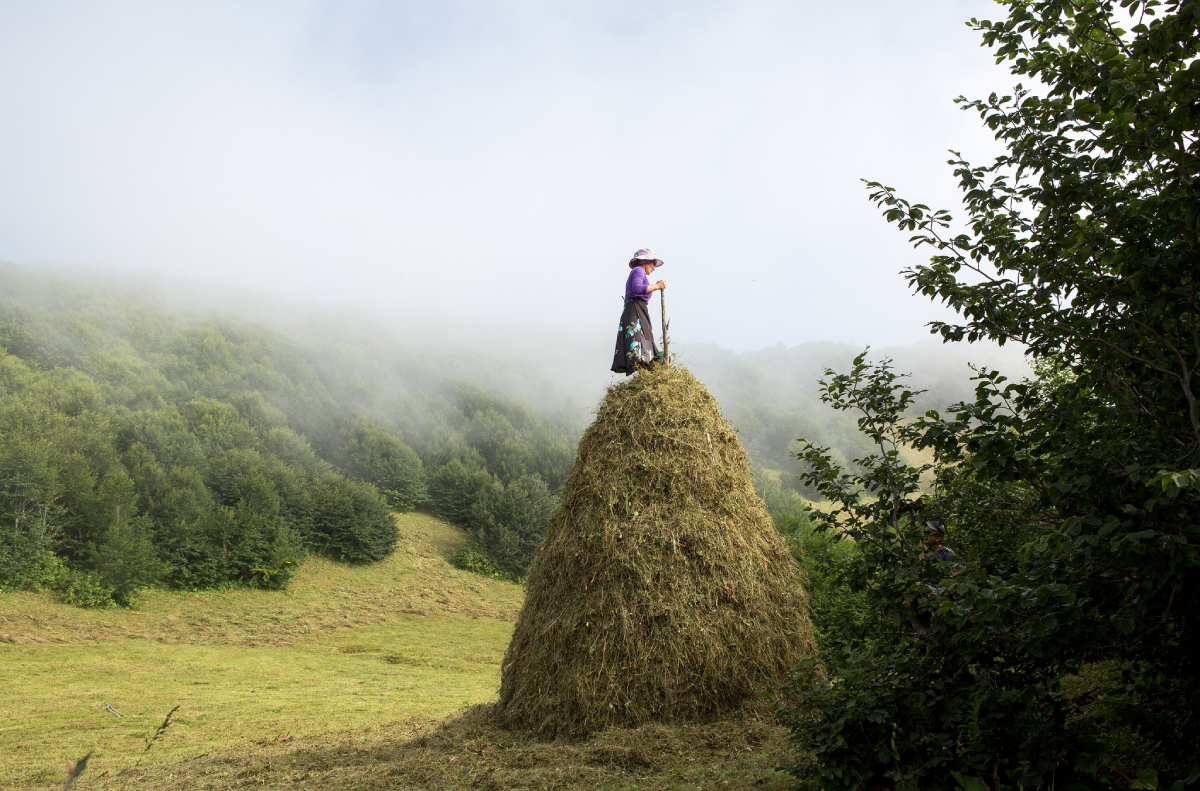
1059	644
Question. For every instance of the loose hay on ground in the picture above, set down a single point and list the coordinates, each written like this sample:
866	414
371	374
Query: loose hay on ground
471	751
662	592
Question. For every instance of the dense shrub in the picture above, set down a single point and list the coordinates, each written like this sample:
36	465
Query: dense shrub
85	589
377	456
509	520
1056	646
835	610
471	559
351	521
455	486
974	663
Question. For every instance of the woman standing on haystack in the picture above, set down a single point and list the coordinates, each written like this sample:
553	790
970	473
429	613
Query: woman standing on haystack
635	337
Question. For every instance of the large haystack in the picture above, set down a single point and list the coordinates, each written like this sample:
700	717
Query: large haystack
662	591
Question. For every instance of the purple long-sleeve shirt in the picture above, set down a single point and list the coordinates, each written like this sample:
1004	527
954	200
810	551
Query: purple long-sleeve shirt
637	284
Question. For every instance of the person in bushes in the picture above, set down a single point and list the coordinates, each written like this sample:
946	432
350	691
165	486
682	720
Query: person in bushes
935	533
635	337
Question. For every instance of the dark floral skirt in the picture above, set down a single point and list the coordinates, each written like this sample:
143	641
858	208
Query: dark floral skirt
635	338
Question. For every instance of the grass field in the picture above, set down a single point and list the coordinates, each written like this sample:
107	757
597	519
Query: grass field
352	678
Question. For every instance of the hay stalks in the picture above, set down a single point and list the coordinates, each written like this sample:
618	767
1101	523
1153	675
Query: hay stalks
662	592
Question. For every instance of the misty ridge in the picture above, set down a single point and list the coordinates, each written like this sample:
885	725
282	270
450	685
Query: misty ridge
398	367
771	395
164	432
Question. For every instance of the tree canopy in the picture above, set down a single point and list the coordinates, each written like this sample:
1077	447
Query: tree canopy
1054	643
140	446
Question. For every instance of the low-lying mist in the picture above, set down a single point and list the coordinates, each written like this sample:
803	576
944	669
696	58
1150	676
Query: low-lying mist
164	433
395	366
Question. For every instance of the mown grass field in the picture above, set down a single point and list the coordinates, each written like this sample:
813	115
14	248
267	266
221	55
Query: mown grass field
352	678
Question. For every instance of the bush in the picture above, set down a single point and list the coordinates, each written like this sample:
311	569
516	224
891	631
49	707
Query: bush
26	555
472	560
351	521
962	662
126	561
1072	500
86	589
454	487
837	612
509	521
376	456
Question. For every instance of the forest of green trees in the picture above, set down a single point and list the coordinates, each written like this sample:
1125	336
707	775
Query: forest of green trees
151	440
143	447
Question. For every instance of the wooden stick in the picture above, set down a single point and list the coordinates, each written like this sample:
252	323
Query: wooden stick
662	293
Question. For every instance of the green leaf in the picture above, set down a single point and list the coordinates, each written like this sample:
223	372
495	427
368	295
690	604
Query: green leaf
968	782
1147	779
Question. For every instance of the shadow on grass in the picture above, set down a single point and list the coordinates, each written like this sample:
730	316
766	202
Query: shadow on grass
469	751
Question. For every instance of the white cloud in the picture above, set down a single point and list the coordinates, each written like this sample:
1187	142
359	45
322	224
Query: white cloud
495	159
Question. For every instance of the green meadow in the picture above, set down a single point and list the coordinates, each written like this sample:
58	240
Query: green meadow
354	677
343	647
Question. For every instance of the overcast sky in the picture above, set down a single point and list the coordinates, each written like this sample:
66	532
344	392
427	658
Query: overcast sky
497	159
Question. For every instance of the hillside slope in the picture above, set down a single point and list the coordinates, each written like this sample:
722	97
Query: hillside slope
410	636
193	449
324	597
352	678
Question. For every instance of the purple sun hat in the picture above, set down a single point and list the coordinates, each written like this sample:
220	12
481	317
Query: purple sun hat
644	256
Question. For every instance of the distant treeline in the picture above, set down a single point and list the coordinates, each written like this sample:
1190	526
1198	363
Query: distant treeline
772	396
142	447
154	438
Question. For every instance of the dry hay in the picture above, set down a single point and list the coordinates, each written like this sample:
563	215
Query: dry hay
469	751
662	592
